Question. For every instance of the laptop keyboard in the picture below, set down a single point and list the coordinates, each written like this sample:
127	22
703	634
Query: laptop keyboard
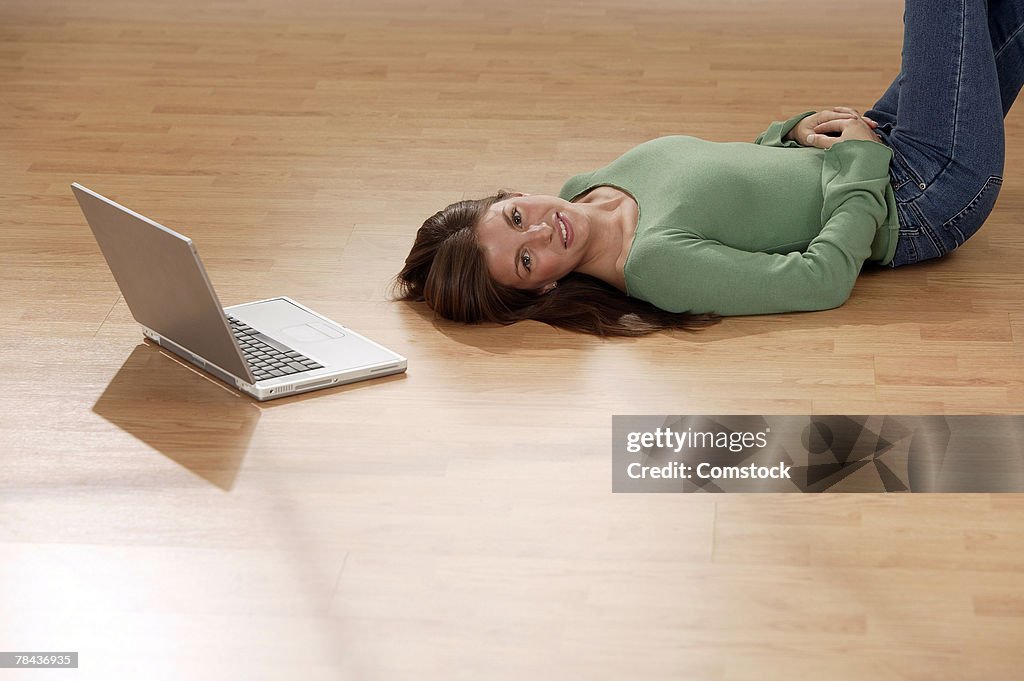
266	360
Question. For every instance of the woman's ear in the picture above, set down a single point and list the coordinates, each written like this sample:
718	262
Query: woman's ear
550	287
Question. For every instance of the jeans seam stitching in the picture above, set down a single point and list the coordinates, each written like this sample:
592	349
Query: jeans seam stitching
959	82
1009	40
968	209
959	85
916	215
927	230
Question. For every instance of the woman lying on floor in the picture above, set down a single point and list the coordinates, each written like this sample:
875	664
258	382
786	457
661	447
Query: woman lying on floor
678	230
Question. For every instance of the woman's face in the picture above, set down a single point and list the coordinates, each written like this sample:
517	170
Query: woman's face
530	242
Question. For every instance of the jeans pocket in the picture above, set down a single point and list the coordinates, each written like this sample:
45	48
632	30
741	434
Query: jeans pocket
913	220
901	175
970	218
923	239
917	240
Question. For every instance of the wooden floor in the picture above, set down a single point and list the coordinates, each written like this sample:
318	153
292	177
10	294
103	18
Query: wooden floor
458	522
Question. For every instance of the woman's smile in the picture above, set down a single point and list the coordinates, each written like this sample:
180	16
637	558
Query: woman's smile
566	227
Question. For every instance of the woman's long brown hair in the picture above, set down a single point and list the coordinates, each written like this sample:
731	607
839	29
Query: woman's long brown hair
446	268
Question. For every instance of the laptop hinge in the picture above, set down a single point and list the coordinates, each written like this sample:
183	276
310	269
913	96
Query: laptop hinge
194	359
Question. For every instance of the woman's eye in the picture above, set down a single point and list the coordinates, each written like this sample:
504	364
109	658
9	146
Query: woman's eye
517	219
526	260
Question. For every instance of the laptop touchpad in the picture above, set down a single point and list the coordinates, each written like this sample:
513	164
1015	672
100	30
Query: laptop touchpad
309	332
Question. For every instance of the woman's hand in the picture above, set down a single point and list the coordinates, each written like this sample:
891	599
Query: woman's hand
825	128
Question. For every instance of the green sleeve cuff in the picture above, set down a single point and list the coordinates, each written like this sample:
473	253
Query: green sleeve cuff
775	135
862	159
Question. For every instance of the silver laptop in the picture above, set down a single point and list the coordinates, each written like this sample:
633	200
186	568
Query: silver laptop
268	349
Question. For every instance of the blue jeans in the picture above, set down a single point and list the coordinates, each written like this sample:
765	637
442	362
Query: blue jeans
963	65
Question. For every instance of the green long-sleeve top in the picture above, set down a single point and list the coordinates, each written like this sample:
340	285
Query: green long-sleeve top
739	228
